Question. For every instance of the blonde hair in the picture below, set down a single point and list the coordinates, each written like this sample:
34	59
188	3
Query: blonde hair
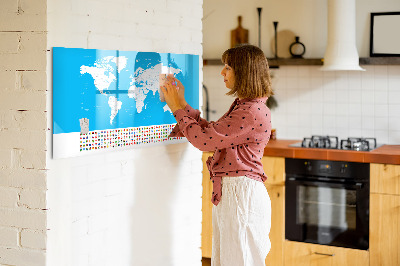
250	66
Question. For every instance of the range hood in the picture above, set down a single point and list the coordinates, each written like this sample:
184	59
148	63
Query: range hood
341	51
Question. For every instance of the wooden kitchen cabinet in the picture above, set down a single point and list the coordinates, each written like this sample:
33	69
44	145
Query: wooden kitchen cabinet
277	233
384	236
274	168
385	178
206	225
305	254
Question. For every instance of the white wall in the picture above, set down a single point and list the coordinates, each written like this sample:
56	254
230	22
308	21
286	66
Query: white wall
131	207
23	133
346	104
304	18
311	102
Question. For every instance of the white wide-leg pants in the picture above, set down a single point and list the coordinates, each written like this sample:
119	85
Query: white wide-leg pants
241	223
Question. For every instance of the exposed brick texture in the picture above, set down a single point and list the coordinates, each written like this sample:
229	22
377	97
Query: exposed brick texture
23	128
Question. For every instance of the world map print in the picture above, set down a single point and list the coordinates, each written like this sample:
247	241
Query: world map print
97	90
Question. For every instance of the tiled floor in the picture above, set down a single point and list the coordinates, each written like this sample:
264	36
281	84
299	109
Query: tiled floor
206	261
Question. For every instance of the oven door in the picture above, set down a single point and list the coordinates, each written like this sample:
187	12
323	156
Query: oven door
327	213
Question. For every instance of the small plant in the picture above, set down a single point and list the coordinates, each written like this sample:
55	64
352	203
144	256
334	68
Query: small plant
271	102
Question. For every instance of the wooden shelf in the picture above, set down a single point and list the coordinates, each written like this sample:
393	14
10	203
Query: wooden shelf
380	61
274	63
212	62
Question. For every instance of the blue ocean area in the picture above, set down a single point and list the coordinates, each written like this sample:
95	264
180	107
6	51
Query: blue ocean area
76	94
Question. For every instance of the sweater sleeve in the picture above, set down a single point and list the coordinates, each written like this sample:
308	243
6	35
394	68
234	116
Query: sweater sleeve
193	113
231	130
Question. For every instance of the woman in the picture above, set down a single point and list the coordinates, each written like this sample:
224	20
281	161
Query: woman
242	211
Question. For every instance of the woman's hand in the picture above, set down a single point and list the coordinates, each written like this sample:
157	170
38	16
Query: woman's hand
181	89
173	95
181	93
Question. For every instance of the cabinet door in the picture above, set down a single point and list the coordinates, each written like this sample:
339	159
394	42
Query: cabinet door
385	178
384	230
277	233
304	254
274	168
206	232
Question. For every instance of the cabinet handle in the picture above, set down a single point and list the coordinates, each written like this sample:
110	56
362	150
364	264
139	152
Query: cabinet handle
324	254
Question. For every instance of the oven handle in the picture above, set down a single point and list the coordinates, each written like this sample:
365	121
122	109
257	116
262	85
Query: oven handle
357	185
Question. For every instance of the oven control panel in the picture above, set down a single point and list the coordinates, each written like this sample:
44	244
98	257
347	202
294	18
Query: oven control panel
325	167
337	169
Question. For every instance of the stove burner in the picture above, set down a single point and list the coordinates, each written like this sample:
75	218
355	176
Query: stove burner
332	142
327	142
358	144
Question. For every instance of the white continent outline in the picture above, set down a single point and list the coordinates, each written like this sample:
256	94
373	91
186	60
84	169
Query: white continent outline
115	106
147	80
102	74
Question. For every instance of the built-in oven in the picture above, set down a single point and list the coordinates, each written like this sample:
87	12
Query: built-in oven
327	202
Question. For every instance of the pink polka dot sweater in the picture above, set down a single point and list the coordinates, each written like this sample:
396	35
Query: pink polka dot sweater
238	139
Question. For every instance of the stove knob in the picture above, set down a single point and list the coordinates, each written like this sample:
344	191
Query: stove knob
343	168
308	166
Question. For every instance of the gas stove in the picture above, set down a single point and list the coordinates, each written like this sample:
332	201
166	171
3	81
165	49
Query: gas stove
332	142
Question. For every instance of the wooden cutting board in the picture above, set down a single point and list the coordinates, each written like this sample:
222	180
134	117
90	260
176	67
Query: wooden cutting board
239	35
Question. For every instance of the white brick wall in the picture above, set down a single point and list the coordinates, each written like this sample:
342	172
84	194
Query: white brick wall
24	256
23	132
23	178
8	197
33	239
100	207
9	237
131	207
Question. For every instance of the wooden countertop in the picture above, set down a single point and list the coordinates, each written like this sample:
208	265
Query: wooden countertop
389	154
